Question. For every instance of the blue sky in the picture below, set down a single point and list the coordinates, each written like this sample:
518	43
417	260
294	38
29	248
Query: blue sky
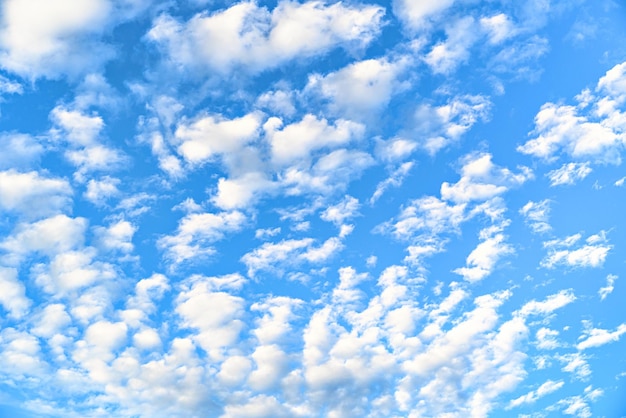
410	208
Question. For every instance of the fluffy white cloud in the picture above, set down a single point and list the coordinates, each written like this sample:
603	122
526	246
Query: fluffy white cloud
49	236
569	173
532	396
482	180
72	270
197	231
608	289
446	56
219	330
13	293
415	14
19	150
361	87
346	209
443	124
596	337
49	38
33	195
552	303
209	136
593	130
483	259
118	236
536	215
299	139
591	254
258	39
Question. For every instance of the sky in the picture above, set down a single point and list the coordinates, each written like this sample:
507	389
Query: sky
407	208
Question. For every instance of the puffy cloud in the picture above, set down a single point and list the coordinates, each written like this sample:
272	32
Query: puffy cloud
33	195
482	180
297	140
591	254
560	128
446	56
99	191
13	293
415	14
361	87
596	337
118	236
394	180
593	130
72	270
49	38
608	289
259	39
49	236
546	388
483	259
346	209
499	27
569	173
196	231
443	124
19	150
219	330
552	303
82	133
209	136
536	215
273	256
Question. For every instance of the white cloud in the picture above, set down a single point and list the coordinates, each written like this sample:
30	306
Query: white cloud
608	289
569	173
258	39
51	320
99	191
267	233
536	215
13	293
49	236
394	180
33	195
532	396
559	128
196	231
427	214
82	133
596	337
591	254
441	125
297	140
209	136
49	38
118	236
361	87
19	150
72	270
339	213
415	14
218	330
291	252
546	339
278	101
498	27
482	180
552	303
446	56
242	191
483	259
